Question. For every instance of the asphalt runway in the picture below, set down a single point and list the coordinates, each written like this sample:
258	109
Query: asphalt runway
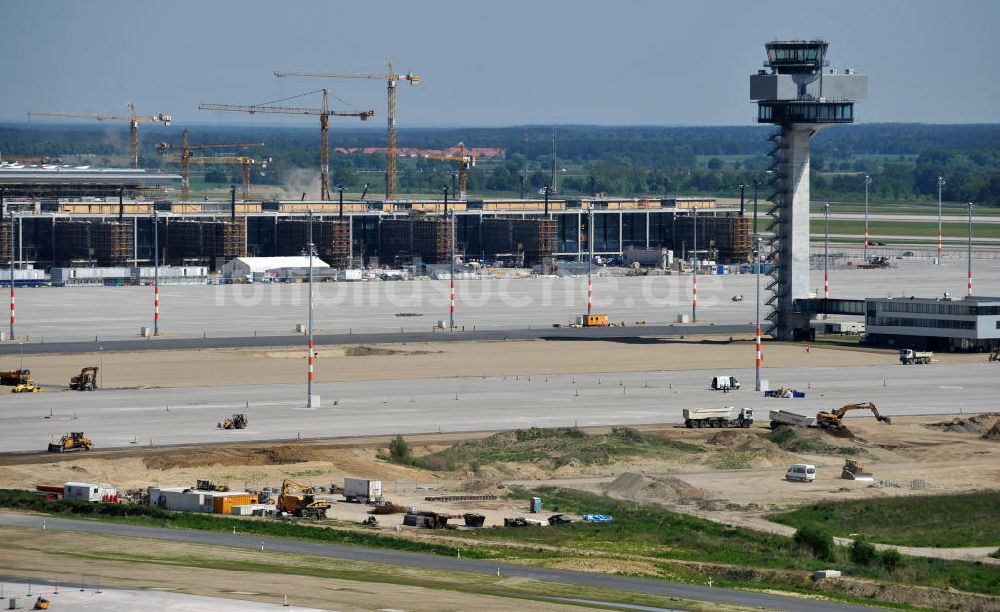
409	559
143	417
102	314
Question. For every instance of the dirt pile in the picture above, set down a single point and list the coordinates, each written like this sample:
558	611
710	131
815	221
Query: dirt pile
641	488
980	423
370	351
740	441
916	483
272	455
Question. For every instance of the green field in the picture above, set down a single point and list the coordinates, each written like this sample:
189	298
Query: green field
939	520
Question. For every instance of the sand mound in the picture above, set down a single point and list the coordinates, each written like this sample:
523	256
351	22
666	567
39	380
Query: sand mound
973	424
739	440
272	455
639	487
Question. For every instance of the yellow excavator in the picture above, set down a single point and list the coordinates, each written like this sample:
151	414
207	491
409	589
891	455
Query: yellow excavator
300	500
833	421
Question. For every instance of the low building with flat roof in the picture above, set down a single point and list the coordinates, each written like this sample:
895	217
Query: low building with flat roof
942	324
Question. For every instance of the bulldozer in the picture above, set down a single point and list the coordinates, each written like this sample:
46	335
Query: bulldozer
300	500
833	421
86	380
73	441
238	421
26	387
853	470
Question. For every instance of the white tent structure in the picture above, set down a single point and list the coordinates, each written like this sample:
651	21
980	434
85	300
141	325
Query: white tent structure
242	267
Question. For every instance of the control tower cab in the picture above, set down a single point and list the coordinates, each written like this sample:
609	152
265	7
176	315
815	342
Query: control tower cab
801	96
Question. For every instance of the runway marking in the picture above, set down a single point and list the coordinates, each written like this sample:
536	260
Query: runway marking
949	387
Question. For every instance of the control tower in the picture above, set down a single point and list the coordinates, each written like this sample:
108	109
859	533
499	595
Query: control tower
801	96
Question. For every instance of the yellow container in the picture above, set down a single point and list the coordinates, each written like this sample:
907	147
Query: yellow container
224	504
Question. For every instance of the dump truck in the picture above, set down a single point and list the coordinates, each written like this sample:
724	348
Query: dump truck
237	421
14	378
784	418
910	356
73	441
86	380
362	490
730	416
300	500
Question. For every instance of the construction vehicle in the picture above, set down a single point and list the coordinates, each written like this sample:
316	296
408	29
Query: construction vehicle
391	78
784	418
718	417
237	421
784	392
910	356
86	380
300	500
73	441
208	485
725	383
14	378
133	120
26	387
40	604
853	470
833	421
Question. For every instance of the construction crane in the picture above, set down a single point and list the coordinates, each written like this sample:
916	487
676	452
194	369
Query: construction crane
132	118
464	163
185	157
243	160
324	114
391	78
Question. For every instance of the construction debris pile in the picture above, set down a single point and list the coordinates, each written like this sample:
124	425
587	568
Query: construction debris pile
916	483
981	423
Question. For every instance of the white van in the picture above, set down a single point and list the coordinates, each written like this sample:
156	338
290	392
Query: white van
725	383
802	472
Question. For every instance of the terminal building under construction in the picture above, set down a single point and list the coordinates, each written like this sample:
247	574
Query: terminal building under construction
101	224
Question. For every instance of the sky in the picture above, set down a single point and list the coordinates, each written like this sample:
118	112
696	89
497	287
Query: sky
517	62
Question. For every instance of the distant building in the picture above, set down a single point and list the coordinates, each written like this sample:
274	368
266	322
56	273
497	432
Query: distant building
244	267
970	324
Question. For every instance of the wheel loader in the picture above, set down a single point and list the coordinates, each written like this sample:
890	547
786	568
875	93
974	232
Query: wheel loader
73	441
237	421
86	380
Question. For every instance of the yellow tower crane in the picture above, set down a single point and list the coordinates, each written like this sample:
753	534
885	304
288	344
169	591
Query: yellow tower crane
243	160
464	163
185	158
324	114
132	118
391	78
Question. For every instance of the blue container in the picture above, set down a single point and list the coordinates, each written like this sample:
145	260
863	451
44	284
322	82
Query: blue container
536	504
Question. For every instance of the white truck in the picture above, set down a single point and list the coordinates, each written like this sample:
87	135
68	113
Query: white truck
908	356
730	416
725	383
362	490
785	418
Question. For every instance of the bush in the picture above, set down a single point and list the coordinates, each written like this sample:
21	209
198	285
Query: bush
399	450
890	559
816	540
863	552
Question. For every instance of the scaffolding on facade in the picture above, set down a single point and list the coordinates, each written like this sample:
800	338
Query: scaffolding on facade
102	243
332	238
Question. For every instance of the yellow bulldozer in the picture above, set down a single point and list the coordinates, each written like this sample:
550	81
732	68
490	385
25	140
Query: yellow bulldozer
20	381
86	380
300	500
834	421
73	441
237	421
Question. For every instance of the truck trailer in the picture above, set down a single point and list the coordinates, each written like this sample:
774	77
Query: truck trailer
785	418
362	490
730	416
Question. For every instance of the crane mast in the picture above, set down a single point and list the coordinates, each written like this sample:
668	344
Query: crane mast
391	79
324	114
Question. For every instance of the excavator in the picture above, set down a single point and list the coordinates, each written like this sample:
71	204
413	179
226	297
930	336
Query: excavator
299	500
833	421
73	441
86	380
238	421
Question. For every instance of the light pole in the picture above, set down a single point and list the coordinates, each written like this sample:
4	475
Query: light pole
12	243
451	250
826	251
156	272
309	384
694	269
743	187
940	184
868	181
100	351
970	247
590	258
340	192
758	247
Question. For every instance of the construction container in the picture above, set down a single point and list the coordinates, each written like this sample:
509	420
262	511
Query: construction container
252	510
362	489
90	492
536	504
223	504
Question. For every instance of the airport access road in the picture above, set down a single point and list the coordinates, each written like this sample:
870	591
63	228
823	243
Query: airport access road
169	416
448	564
